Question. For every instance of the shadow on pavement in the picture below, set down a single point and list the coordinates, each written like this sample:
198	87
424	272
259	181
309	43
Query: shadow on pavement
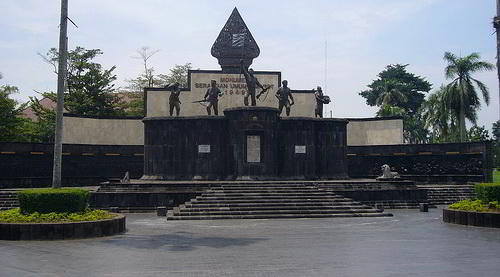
179	241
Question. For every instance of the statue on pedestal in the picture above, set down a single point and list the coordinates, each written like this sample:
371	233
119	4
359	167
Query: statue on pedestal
173	100
212	97
320	100
252	84
283	94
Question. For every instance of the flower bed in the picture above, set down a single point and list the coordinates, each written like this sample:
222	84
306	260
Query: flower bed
50	226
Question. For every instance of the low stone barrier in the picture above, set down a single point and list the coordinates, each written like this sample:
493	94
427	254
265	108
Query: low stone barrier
56	231
482	219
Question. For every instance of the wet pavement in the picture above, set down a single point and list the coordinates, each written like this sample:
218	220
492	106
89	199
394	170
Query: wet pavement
409	244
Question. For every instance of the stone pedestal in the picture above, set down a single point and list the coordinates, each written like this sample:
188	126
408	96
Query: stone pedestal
247	143
253	142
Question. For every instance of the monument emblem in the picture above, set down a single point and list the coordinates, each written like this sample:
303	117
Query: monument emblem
235	44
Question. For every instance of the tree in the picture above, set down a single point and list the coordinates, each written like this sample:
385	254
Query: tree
388	110
438	119
477	133
461	95
496	131
390	93
145	53
395	77
90	87
179	74
11	125
43	127
496	137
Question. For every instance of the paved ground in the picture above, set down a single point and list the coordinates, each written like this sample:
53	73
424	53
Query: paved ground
409	244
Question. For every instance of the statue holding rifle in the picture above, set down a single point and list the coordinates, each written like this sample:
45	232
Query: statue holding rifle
252	84
212	97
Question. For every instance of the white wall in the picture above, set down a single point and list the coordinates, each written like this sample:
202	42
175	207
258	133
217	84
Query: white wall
375	132
80	130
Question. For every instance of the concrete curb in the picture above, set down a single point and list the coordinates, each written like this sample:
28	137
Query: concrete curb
481	219
59	231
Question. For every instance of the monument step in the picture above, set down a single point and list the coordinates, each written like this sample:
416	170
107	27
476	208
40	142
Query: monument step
302	190
275	212
272	194
275	216
273	208
271	204
270	197
276	200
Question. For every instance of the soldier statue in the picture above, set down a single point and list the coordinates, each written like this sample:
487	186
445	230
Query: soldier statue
320	100
173	100
283	94
252	84
212	97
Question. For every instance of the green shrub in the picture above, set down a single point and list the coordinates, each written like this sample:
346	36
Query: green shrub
67	200
15	216
475	205
488	192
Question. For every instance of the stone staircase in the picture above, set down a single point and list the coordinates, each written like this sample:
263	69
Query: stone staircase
448	194
8	200
262	201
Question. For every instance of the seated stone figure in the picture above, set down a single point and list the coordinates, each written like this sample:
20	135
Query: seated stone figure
387	173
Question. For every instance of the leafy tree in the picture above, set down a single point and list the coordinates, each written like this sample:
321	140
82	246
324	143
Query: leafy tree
11	124
179	74
461	95
496	131
477	133
390	93
388	110
396	78
43	127
90	88
496	138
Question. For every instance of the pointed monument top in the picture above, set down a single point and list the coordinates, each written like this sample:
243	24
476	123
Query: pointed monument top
235	43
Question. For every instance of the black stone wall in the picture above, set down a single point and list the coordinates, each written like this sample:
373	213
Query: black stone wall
171	147
426	163
30	164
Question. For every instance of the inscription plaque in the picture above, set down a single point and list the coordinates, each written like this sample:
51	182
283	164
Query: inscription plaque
204	148
300	149
253	149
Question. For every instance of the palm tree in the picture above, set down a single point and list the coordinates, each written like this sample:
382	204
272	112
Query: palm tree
437	116
460	95
391	94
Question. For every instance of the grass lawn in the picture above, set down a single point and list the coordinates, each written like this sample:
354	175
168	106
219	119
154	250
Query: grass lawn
496	176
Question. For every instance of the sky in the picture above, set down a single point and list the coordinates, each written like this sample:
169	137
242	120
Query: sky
337	44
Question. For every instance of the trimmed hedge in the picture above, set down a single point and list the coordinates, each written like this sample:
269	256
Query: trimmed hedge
66	200
15	216
488	192
475	205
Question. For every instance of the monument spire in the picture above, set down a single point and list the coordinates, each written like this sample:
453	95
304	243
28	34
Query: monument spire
235	43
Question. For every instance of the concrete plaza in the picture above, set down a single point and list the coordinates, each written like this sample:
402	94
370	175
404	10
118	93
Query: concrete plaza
409	244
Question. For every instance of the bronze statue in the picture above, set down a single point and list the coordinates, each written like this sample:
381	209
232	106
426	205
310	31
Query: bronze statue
283	94
320	100
173	100
212	96
252	84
